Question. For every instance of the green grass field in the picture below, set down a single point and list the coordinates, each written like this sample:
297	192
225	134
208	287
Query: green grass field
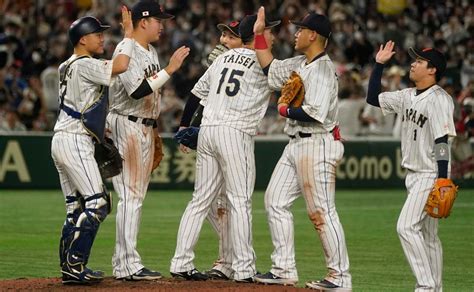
30	224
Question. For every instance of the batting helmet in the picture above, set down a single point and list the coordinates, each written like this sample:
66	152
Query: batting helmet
83	26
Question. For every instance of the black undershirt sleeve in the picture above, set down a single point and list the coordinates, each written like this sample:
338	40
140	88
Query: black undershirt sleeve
297	113
189	109
143	90
375	85
442	164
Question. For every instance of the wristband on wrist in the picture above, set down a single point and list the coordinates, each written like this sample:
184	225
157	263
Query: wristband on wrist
260	42
156	81
126	47
283	111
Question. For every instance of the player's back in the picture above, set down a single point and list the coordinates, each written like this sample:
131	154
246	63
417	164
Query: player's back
234	91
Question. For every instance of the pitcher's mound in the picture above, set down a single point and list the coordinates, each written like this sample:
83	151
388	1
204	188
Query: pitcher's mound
110	284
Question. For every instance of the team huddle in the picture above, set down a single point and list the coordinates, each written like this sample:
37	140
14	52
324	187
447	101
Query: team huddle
109	109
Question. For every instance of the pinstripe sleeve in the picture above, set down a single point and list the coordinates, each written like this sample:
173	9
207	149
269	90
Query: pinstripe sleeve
201	88
441	118
133	77
280	71
392	102
96	71
320	88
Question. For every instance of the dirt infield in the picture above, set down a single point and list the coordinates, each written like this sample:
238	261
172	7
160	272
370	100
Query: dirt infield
110	284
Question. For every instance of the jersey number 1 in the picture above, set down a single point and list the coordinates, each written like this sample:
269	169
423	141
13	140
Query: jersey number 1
233	80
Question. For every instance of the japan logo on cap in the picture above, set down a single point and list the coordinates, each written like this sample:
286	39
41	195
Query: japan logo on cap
145	13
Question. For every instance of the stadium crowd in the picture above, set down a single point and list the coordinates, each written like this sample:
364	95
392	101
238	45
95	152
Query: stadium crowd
33	42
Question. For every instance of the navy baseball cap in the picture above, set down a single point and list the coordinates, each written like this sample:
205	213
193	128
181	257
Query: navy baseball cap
246	26
433	56
148	8
317	22
233	27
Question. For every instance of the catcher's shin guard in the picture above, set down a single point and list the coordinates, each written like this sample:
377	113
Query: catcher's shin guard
86	228
75	206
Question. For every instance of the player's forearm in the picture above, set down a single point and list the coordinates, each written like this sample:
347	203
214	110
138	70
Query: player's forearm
120	64
121	61
265	57
295	113
375	85
151	84
264	53
191	105
441	150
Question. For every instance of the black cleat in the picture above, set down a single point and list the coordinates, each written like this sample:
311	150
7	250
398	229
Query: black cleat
142	275
215	274
192	275
270	278
246	280
80	275
325	285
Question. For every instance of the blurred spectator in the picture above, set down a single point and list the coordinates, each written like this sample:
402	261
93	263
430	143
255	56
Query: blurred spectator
30	103
50	83
351	105
33	36
11	122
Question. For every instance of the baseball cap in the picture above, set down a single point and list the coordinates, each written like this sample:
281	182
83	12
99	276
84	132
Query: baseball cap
233	27
317	22
247	23
435	57
148	8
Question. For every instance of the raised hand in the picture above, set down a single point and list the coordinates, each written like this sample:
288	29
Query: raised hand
177	59
127	24
259	26
385	52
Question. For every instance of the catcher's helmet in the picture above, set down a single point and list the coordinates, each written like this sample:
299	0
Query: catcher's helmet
83	26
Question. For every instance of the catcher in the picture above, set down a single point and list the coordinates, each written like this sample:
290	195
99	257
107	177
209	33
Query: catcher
427	122
79	140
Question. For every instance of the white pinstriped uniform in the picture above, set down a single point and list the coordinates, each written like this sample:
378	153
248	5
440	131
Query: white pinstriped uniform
135	142
308	166
72	149
219	219
235	94
425	118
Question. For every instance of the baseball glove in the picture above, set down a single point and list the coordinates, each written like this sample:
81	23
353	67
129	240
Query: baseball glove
158	156
108	158
188	137
439	206
292	93
218	50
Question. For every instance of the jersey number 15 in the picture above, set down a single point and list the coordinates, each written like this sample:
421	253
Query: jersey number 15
233	83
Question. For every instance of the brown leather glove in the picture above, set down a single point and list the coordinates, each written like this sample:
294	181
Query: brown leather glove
292	93
439	203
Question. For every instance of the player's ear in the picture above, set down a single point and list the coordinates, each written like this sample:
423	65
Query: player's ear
432	70
142	22
82	40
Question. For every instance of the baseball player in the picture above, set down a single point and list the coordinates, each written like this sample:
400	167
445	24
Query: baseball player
132	119
218	213
308	163
83	98
235	95
427	122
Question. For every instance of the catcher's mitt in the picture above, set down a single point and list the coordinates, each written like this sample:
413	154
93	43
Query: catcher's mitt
158	156
218	50
108	158
438	205
292	93
188	137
